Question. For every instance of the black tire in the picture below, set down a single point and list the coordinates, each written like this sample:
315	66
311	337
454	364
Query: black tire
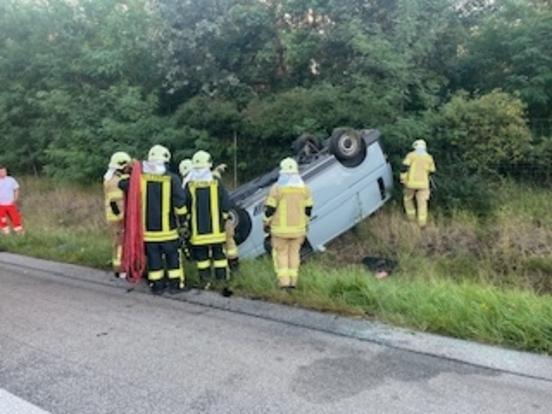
306	148
348	147
242	224
306	143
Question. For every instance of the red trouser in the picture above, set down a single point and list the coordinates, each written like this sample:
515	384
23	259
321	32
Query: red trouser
12	212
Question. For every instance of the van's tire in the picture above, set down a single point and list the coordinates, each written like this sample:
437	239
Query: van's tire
242	224
348	147
306	144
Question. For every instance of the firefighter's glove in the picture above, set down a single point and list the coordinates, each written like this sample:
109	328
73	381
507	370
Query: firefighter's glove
221	169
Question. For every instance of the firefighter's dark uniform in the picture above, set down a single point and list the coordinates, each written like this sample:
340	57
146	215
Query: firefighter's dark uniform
163	209
208	205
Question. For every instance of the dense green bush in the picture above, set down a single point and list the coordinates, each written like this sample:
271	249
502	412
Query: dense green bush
483	133
456	188
474	140
80	79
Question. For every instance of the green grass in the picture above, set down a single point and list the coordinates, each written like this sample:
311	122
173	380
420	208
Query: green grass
514	318
485	280
63	222
84	248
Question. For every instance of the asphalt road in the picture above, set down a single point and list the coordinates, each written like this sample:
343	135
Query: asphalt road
72	346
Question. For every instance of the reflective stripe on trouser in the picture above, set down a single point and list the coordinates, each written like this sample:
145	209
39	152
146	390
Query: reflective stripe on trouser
203	264
175	274
116	230
211	255
163	255
287	259
231	246
422	198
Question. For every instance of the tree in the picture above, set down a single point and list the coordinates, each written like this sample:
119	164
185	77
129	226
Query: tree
512	50
71	74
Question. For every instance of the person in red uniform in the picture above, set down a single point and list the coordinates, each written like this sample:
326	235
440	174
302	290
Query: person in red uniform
9	195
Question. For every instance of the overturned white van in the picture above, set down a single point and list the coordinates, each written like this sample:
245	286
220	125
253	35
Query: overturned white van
350	179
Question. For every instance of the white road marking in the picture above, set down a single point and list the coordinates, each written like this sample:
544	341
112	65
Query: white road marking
11	404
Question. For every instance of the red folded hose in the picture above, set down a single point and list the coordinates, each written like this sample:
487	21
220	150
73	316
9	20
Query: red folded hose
134	258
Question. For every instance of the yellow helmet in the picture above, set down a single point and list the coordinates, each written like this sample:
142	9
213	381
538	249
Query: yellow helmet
289	166
159	153
119	160
185	167
201	159
419	144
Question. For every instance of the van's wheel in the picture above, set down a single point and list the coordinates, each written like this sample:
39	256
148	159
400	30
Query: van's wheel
348	147
242	224
306	144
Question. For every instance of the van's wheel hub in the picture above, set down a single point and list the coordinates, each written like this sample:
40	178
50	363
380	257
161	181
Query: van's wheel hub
349	145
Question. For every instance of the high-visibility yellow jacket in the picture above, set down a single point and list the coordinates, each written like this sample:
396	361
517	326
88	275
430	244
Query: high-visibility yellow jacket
287	210
163	206
208	205
114	198
420	166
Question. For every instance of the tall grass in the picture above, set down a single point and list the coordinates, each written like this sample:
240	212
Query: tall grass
512	247
484	279
63	222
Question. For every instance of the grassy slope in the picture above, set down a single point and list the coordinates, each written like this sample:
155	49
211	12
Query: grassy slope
485	280
63	222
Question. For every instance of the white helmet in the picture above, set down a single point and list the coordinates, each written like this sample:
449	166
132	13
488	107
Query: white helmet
159	153
119	160
419	144
185	167
289	166
201	159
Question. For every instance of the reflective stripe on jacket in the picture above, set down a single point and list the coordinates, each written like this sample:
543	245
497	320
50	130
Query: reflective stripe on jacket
208	204
163	201
290	218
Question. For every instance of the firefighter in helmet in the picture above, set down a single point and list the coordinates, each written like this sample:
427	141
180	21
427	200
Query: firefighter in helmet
287	213
115	206
418	165
208	205
185	167
163	212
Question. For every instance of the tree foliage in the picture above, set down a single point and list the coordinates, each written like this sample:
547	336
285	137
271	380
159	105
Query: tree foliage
82	78
482	133
512	50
